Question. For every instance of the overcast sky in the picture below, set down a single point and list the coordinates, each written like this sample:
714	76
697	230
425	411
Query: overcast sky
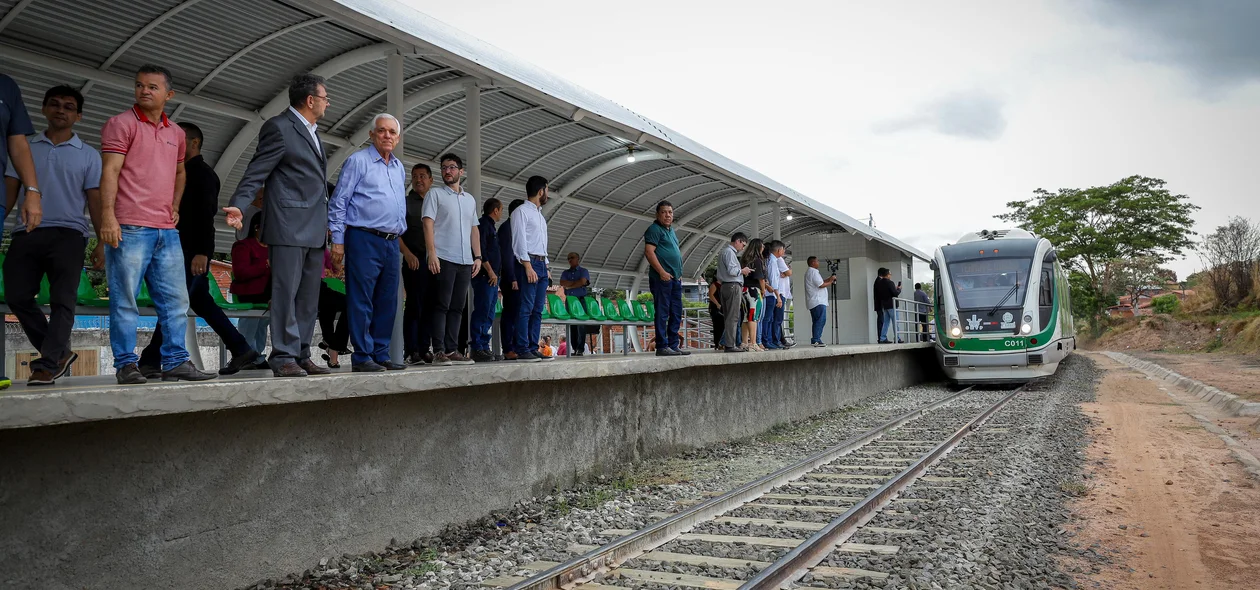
928	115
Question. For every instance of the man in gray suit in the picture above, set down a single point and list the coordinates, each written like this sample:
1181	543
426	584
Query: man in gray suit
290	164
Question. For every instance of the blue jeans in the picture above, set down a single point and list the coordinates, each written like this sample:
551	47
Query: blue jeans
889	324
529	314
776	327
372	275
255	332
667	299
818	319
484	296
765	328
154	256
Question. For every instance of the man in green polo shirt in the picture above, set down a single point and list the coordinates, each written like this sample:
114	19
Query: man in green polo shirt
665	279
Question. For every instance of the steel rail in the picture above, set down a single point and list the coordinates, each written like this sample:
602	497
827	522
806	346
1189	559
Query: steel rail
585	567
797	562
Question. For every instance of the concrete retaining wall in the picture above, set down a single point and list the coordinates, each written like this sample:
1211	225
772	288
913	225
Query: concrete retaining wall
214	499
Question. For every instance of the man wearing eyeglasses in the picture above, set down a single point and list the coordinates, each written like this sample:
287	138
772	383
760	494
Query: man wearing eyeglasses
290	163
450	225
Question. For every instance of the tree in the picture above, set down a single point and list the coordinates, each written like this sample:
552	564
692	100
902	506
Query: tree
1093	228
1231	254
1137	276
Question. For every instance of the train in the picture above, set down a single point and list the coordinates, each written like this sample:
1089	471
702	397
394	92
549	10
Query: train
1003	308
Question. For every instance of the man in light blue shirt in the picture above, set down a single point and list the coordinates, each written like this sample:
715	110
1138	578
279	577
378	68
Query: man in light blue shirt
366	216
51	245
454	257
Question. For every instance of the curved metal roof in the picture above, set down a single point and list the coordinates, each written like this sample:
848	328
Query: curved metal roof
232	60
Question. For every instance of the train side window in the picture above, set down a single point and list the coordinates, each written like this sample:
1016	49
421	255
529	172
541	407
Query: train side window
1046	295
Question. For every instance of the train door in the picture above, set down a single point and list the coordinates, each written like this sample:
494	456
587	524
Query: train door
1045	295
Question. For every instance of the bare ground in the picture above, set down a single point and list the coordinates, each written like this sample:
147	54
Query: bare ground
1165	498
1237	374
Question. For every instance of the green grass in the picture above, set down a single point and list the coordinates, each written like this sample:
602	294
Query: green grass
424	564
1076	489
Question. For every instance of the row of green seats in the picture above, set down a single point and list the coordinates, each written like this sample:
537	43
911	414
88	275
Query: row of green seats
597	310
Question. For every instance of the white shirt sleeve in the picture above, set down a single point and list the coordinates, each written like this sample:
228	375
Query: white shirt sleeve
813	278
521	227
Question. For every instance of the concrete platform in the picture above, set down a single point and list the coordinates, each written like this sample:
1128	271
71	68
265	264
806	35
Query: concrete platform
218	484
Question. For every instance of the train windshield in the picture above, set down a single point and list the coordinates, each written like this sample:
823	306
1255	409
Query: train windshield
985	283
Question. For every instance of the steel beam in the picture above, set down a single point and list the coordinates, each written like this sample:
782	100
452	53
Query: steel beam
472	122
394	71
138	35
375	97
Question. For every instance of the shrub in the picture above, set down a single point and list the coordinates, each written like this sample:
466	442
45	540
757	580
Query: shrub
1166	304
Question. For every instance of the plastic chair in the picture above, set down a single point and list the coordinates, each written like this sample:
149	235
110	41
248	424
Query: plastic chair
576	310
336	284
610	310
651	311
556	306
87	295
641	310
498	307
627	311
594	310
143	299
221	301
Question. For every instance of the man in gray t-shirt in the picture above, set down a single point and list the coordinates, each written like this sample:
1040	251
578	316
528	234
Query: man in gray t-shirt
453	256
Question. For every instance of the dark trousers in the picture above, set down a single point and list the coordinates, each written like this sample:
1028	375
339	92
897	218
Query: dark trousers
450	297
417	308
202	303
731	295
879	323
58	253
529	315
924	333
507	320
667	298
336	332
484	297
718	319
371	293
296	274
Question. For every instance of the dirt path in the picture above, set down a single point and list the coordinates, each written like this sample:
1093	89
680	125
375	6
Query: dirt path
1239	375
1166	500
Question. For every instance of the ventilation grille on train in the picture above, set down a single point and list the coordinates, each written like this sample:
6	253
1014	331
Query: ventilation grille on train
951	361
1035	359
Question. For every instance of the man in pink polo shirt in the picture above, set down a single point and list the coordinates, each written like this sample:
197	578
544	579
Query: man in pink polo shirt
142	180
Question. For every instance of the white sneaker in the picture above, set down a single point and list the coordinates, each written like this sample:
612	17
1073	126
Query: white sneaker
819	345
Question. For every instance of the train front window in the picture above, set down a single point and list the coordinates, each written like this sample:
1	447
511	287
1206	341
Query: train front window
985	283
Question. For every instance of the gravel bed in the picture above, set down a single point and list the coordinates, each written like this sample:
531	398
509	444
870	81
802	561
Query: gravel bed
548	528
1003	526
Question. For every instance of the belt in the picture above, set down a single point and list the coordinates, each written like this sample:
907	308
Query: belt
537	258
376	232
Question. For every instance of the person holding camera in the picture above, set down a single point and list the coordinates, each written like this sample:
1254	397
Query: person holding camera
816	299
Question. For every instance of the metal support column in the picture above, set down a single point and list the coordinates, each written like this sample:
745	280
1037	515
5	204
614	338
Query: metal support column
754	229
472	162
394	104
778	220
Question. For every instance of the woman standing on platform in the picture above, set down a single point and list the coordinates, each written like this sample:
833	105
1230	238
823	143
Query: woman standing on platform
715	310
754	289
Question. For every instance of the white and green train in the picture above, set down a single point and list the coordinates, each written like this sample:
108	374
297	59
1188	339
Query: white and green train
1003	308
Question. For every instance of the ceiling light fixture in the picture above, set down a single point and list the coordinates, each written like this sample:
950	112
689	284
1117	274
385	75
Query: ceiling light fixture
630	155
789	217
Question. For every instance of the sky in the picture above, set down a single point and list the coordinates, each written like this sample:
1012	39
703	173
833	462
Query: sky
928	115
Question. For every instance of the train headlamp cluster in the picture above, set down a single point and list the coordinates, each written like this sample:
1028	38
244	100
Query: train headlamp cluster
955	329
1027	327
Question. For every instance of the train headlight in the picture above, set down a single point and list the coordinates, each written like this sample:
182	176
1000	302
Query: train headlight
1028	318
955	329
955	332
1026	328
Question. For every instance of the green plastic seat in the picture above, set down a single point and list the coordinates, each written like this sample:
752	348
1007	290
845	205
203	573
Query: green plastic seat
627	311
593	309
557	308
498	307
610	310
546	314
651	312
87	295
143	299
641	310
220	300
576	310
336	284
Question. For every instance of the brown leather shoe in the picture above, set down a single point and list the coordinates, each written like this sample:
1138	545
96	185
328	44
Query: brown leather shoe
289	369
313	369
41	377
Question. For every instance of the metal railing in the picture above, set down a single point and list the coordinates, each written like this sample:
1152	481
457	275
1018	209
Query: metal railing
912	321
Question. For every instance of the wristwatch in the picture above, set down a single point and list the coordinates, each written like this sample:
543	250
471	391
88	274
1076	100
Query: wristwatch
34	189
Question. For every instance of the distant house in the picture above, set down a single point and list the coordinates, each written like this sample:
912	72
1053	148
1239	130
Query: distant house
1124	307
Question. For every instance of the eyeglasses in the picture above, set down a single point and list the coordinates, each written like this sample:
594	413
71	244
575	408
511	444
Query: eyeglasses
445	168
323	98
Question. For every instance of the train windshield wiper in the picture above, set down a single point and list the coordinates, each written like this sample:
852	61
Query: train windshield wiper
1014	288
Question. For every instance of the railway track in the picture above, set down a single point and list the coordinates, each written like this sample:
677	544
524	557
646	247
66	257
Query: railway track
789	521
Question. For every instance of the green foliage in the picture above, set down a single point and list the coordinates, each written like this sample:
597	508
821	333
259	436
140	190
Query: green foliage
1093	228
614	294
1166	304
645	298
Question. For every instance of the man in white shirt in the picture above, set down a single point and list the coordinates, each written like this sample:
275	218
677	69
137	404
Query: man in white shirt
816	300
785	294
529	253
450	227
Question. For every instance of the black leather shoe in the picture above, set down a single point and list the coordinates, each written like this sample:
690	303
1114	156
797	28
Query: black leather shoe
667	352
313	369
149	371
288	369
130	374
682	352
393	366
368	367
246	360
187	372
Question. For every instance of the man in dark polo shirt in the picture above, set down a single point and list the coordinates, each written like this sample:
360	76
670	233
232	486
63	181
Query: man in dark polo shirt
15	125
417	308
485	286
575	281
665	279
197	210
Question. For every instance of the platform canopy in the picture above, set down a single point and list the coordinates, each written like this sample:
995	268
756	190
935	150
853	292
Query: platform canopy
232	60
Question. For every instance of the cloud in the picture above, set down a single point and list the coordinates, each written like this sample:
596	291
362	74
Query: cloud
970	116
1215	41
